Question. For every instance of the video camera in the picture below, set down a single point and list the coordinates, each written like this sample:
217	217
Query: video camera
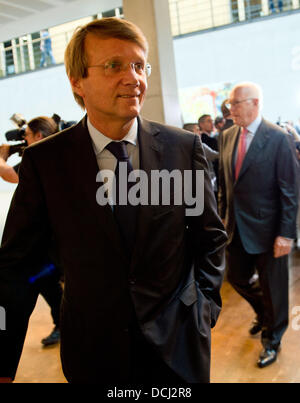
17	135
62	124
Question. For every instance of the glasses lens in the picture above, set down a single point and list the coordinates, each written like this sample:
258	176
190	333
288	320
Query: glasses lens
112	68
148	69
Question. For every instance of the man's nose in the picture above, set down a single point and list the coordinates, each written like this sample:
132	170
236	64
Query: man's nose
129	73
130	76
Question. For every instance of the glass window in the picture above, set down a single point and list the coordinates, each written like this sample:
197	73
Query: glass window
9	59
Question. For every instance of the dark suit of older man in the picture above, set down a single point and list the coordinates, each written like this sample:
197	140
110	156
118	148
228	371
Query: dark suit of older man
259	207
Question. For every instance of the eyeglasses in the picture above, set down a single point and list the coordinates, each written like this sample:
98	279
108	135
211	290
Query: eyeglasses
112	69
235	103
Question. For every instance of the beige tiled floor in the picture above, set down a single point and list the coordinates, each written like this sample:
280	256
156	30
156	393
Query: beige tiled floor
234	352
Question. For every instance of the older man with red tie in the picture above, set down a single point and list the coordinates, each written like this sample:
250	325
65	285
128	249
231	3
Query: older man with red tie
258	203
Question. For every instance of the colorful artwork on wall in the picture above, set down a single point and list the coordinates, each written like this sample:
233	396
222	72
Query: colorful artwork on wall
196	101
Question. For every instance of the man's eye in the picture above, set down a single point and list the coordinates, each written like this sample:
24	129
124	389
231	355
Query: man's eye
139	66
113	66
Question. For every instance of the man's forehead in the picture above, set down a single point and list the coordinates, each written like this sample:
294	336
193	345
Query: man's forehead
111	46
243	92
237	92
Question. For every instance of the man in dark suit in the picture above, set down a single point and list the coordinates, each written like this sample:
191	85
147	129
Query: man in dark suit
228	122
141	281
206	127
258	201
226	115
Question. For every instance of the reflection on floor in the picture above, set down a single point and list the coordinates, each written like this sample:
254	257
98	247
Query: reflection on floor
234	352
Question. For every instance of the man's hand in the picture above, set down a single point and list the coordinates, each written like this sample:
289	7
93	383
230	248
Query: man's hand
282	246
4	151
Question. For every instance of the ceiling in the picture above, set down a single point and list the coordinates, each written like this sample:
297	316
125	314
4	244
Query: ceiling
19	17
14	10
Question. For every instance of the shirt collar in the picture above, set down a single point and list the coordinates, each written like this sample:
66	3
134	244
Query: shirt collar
252	128
100	141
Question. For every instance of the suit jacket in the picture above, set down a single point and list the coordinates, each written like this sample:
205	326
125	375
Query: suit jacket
262	203
171	283
212	142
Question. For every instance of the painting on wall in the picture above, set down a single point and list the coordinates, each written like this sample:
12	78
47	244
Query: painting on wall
199	100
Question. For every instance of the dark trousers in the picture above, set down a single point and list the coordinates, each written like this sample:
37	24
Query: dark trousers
268	296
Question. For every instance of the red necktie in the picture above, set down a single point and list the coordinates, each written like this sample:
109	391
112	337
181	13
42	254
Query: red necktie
241	152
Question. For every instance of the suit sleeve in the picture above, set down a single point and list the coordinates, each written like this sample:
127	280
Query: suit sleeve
208	239
210	154
23	246
288	183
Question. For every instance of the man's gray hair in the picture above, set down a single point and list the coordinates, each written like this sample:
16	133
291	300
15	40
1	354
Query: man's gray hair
252	90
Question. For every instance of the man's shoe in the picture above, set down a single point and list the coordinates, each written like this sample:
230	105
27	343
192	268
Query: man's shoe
267	356
53	338
256	327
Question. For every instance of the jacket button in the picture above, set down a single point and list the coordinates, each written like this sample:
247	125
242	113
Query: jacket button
132	281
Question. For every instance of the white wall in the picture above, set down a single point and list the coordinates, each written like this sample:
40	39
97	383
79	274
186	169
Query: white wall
266	52
43	92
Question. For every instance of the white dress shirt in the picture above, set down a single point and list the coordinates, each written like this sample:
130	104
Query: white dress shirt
252	129
105	159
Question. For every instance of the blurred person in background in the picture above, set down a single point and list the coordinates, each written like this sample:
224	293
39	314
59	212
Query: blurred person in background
206	133
46	48
258	202
206	129
210	154
219	125
226	115
47	280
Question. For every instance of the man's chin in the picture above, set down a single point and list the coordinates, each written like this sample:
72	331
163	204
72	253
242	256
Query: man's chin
131	110
132	113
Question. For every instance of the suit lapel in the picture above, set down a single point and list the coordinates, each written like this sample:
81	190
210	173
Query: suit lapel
150	146
151	156
232	140
256	147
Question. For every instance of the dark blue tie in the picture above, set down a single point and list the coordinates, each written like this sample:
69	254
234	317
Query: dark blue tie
125	214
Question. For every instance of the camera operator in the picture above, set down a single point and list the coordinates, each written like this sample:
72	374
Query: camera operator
47	281
37	129
6	171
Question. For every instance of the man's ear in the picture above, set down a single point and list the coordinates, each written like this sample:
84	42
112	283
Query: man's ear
76	85
256	101
38	136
